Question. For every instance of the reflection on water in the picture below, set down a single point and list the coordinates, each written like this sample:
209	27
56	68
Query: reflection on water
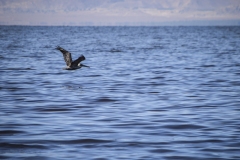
151	93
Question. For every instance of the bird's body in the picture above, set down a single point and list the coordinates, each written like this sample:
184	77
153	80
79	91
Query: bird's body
71	65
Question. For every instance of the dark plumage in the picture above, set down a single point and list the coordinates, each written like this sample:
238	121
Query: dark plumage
71	65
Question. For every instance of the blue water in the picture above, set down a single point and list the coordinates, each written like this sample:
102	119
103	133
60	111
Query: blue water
168	93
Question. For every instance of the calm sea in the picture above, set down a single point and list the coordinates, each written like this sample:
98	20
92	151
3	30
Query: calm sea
151	93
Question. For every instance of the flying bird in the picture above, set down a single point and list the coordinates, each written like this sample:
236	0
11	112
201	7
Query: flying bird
71	65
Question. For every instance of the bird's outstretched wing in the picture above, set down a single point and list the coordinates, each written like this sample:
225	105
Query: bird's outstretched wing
77	61
66	55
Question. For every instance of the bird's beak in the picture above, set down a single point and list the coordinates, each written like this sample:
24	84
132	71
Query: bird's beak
84	65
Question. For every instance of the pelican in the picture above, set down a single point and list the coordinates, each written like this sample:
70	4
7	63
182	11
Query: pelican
68	59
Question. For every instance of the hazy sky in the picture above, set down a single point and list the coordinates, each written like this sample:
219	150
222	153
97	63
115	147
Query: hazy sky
120	12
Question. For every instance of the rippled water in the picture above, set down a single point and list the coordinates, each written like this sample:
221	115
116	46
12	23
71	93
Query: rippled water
151	93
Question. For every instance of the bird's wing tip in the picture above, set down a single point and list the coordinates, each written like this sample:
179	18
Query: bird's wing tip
58	47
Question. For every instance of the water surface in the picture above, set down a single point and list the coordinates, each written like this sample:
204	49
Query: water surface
151	93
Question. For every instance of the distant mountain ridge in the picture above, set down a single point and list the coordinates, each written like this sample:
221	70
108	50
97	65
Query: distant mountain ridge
111	11
78	5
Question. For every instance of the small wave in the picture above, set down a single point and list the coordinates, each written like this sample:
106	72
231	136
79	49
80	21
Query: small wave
184	126
153	92
72	87
10	132
17	69
200	141
189	68
47	46
183	157
208	66
158	77
161	150
53	109
5	157
235	83
139	143
94	75
21	146
86	141
115	50
105	99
